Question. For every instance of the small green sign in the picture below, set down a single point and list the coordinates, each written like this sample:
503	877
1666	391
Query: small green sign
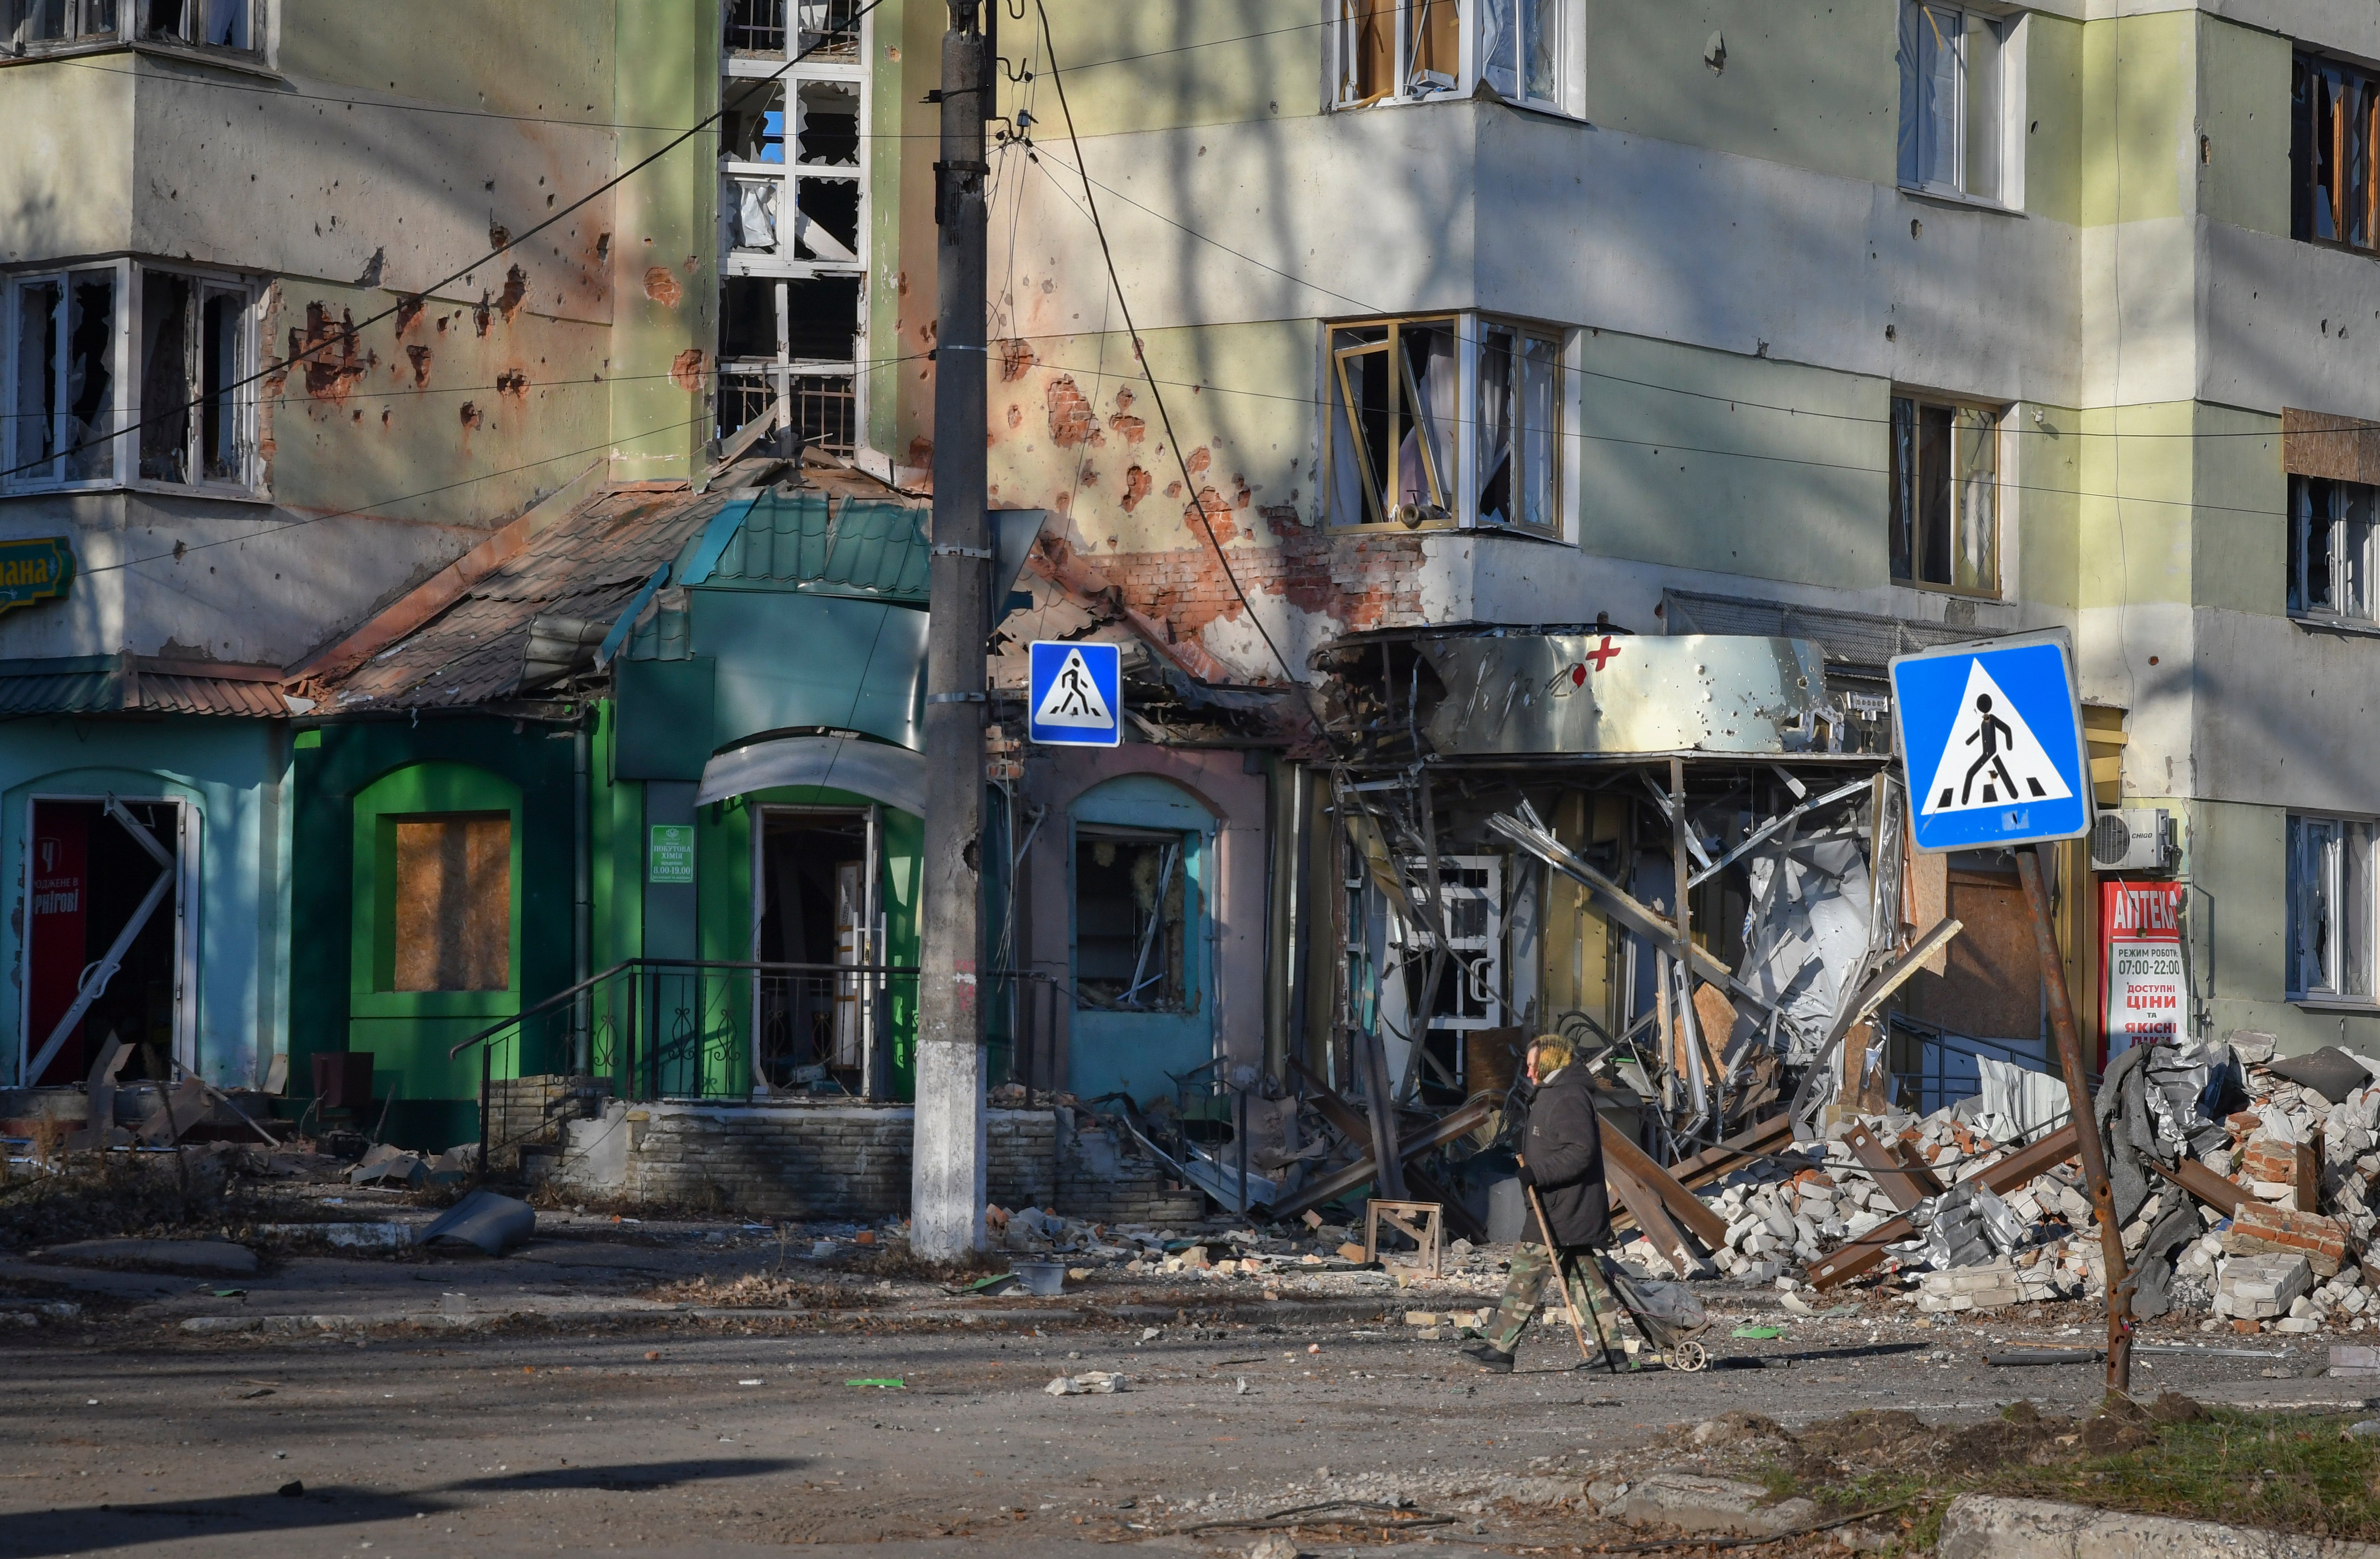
36	568
670	857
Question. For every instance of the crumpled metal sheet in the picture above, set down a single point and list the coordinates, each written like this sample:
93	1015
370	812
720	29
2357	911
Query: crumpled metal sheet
2128	1130
1805	935
1523	693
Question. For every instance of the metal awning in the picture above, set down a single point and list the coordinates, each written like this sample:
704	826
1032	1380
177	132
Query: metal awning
890	773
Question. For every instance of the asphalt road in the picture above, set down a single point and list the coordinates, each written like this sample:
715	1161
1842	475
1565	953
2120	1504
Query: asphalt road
734	1437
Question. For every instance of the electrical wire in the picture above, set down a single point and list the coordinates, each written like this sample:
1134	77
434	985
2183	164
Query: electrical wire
1189	484
513	241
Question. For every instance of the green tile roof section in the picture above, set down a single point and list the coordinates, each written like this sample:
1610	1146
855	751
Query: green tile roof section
858	548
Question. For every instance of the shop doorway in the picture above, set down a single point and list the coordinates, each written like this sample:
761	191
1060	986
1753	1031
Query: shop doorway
108	945
814	885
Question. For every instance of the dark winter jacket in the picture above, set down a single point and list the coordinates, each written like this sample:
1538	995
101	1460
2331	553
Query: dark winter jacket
1563	1149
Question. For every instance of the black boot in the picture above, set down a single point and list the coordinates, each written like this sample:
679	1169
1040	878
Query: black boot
1477	1347
1495	1361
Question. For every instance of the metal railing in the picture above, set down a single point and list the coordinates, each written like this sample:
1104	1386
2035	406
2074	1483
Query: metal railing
696	1028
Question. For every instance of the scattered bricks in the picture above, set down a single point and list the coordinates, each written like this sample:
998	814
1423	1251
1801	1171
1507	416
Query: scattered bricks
2262	1287
2263	1228
2270	1161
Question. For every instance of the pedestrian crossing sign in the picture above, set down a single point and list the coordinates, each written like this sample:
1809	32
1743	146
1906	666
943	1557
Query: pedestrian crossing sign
1077	695
1991	742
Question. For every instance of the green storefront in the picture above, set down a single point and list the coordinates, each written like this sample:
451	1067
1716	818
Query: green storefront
592	792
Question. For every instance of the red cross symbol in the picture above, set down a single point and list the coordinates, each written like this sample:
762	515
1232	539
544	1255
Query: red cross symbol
1603	652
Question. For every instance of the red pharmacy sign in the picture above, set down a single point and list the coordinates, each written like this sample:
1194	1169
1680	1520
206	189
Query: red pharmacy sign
2140	930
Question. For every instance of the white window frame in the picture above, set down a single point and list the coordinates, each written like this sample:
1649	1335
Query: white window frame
2353	547
1467	465
88	23
1566	46
2008	82
2324	940
126	276
795	378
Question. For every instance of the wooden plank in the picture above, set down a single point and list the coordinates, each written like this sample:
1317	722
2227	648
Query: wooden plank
1906	1186
2224	1196
1644	1206
1686	1207
1864	1253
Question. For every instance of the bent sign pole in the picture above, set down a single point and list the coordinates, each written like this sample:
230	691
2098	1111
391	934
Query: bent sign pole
1995	733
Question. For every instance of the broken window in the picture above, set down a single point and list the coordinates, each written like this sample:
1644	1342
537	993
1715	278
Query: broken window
1131	899
2330	908
63	403
792	223
452	917
2331	546
1953	99
214	24
764	28
193	355
78	377
1402	449
2334	125
1524	50
1945	482
1520	452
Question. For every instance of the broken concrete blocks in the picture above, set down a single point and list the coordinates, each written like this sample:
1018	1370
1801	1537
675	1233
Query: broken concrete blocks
1692	1502
1091	1382
1986	1285
2262	1287
2263	1229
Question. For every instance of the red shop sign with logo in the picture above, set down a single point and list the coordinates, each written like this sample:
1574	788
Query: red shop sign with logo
2144	993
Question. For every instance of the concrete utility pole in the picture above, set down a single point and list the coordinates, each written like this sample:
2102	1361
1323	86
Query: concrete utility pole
946	1175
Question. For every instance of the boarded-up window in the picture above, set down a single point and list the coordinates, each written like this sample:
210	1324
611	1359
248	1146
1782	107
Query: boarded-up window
453	920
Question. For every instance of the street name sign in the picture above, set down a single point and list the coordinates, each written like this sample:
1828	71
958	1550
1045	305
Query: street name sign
1991	741
1075	695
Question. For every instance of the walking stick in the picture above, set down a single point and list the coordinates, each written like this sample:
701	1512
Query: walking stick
1561	1279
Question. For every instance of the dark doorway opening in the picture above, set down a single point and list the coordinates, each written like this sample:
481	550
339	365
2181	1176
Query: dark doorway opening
90	878
815	877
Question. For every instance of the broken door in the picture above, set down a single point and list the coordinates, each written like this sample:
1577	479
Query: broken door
106	949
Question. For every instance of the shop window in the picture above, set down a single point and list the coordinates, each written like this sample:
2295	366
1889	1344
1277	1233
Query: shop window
452	925
1945	483
1526	51
2334	125
80	383
2330	888
1403	452
2331	546
1131	898
1955	100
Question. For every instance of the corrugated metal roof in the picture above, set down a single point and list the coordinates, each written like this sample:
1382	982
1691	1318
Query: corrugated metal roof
587	565
873	549
140	685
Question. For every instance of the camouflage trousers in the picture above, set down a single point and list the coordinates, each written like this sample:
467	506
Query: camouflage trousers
1599	1308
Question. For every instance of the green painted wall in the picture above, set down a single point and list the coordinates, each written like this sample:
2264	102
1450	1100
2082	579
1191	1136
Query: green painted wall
2243	117
2182	503
332	1005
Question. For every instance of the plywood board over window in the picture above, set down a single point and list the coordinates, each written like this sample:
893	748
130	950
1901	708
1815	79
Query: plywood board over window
453	898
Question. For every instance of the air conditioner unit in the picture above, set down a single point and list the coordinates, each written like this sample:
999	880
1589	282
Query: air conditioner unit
2135	839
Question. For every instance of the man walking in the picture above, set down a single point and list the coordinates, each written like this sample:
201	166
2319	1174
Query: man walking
1562	1162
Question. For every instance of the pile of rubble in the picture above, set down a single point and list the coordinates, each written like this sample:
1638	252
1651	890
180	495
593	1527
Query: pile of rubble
2244	1183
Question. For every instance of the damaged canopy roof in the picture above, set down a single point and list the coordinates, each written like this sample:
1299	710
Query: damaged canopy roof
1485	691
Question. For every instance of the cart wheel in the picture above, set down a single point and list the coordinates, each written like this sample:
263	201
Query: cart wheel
1689	1357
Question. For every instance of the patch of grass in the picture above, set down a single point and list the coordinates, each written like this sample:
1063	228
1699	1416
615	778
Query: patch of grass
2295	1472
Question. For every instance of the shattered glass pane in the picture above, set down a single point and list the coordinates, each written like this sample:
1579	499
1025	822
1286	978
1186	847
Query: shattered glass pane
826	125
752	124
219	366
1540	429
1541	20
2353	569
1500	46
91	379
165	377
36	409
1367	49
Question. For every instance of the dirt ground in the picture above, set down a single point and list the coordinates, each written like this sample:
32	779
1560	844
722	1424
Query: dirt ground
572	1399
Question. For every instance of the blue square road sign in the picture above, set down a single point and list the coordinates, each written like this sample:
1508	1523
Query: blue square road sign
1075	696
1991	742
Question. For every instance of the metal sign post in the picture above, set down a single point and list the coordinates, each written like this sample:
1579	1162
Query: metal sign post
1993	734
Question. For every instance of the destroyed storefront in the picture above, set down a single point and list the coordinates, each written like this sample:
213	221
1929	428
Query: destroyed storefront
1509	823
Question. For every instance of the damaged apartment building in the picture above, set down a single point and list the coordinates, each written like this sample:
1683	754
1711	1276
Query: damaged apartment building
1539	427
